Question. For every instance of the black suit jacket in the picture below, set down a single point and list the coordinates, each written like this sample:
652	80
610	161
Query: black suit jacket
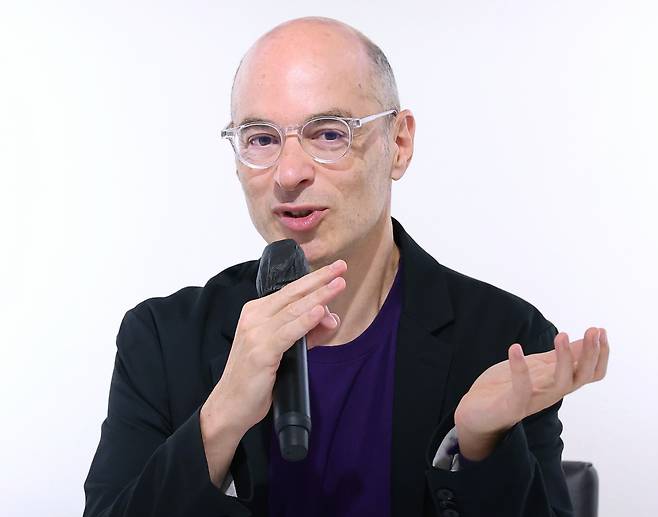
171	352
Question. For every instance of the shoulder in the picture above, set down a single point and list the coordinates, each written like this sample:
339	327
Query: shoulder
466	309
495	311
193	302
472	294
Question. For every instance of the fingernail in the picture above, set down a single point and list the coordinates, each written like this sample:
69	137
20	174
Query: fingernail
335	282
336	265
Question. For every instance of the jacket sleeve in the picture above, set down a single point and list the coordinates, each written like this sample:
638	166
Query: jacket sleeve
522	478
142	466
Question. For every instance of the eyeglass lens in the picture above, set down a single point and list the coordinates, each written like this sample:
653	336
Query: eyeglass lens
326	139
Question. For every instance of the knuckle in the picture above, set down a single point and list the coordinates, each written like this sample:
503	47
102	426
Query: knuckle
284	337
259	347
312	316
564	385
600	373
240	330
292	310
266	357
292	290
328	288
288	290
248	310
249	337
579	381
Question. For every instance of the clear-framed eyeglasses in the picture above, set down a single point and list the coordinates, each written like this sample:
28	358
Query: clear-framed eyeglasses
326	138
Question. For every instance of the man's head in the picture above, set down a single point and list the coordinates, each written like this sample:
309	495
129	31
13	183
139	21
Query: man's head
301	69
381	80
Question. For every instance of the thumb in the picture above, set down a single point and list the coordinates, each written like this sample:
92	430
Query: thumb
521	381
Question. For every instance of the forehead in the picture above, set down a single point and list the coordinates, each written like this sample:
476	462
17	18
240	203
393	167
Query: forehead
294	74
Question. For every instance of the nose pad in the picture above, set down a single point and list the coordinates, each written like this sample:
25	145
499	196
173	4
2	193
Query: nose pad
294	166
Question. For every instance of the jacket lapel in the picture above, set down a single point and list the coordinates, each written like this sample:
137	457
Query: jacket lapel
421	372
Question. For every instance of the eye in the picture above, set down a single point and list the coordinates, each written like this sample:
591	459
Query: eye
261	140
326	132
327	135
330	135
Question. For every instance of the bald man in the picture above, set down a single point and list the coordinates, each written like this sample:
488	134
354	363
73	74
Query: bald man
432	393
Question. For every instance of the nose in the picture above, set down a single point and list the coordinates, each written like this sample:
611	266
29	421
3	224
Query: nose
294	167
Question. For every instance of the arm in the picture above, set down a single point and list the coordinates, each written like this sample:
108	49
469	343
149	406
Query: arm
146	467
508	428
521	477
142	466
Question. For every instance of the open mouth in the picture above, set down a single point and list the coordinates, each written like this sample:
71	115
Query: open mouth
302	220
301	213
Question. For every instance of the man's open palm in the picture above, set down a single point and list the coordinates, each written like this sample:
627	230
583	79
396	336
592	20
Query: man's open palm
521	386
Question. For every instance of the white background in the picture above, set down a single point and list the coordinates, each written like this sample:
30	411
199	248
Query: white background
535	169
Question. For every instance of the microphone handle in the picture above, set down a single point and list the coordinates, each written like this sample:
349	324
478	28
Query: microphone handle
291	404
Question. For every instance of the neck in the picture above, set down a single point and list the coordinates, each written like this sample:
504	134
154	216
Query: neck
369	279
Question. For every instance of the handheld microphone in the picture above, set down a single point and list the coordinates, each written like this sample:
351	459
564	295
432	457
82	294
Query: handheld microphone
284	262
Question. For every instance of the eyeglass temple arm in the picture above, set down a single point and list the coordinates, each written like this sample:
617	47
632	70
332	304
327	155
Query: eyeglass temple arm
358	122
227	132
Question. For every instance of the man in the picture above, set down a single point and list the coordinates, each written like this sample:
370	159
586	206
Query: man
405	422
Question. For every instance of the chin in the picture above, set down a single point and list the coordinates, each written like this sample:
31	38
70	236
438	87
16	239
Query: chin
314	255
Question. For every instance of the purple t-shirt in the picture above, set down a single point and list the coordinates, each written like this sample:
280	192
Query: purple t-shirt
347	470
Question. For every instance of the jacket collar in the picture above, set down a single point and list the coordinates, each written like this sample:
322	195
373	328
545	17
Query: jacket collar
422	364
425	294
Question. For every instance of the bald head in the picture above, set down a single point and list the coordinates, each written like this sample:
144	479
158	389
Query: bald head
322	46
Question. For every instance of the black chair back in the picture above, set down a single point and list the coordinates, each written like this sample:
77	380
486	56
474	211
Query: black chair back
583	484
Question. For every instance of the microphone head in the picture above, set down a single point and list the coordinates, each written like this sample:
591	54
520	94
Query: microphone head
282	262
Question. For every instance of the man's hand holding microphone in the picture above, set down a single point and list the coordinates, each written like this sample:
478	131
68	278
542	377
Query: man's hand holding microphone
267	327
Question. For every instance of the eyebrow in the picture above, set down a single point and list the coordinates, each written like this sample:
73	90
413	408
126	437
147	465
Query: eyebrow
331	112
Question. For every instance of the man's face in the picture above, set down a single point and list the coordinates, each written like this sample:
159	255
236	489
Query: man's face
286	79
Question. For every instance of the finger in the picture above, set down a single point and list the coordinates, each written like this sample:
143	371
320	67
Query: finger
321	335
328	320
584	371
604	354
564	367
286	335
576	348
521	381
544	358
321	296
303	286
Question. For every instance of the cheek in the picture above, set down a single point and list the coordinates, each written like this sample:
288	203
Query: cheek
367	194
361	202
254	190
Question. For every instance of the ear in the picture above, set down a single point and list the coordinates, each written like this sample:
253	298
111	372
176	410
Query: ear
402	135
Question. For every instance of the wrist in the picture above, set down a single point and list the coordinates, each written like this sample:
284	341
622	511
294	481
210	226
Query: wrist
220	441
217	427
474	446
